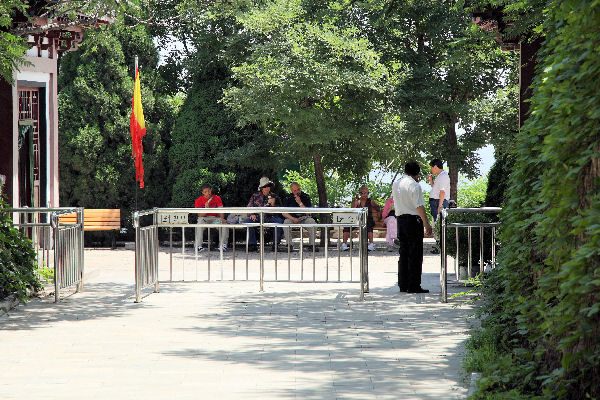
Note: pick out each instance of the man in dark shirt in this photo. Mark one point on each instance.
(297, 198)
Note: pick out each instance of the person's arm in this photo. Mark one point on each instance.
(286, 203)
(387, 208)
(441, 202)
(421, 212)
(197, 205)
(304, 203)
(251, 204)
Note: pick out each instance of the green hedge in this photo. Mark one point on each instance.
(17, 261)
(542, 320)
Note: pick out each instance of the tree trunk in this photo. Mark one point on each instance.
(452, 154)
(322, 191)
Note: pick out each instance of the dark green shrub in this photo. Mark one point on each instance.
(544, 295)
(17, 261)
(498, 179)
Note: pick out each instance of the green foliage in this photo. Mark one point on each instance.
(338, 189)
(12, 47)
(499, 179)
(544, 293)
(207, 146)
(446, 72)
(46, 274)
(17, 261)
(313, 81)
(96, 87)
(472, 193)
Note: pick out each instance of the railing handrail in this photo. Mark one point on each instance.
(147, 246)
(252, 210)
(471, 224)
(59, 210)
(444, 224)
(467, 210)
(67, 242)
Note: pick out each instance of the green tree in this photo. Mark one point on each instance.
(19, 19)
(96, 87)
(208, 147)
(12, 47)
(442, 63)
(314, 83)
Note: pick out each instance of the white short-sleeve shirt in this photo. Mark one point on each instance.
(441, 182)
(407, 195)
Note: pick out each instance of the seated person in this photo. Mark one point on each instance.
(209, 200)
(374, 211)
(264, 198)
(297, 198)
(389, 220)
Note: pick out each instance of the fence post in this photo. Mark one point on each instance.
(138, 283)
(444, 271)
(155, 250)
(362, 253)
(262, 250)
(57, 251)
(80, 215)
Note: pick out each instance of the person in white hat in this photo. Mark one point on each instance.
(264, 198)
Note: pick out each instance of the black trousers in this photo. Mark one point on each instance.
(410, 262)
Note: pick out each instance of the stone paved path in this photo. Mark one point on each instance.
(225, 340)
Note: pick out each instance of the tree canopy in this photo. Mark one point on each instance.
(95, 89)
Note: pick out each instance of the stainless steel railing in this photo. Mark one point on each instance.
(58, 245)
(445, 225)
(147, 248)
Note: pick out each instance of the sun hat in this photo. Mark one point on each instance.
(264, 181)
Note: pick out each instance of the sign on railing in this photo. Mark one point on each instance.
(172, 218)
(339, 218)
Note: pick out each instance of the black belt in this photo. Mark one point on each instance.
(409, 216)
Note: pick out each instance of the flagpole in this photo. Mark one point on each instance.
(136, 184)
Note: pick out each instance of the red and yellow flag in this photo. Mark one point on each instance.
(137, 125)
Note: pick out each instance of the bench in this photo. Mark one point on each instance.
(97, 219)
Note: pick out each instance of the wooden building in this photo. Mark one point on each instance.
(29, 115)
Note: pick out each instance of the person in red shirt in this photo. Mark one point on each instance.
(209, 200)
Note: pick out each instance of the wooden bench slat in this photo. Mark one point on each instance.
(96, 219)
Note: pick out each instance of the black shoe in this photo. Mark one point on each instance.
(252, 247)
(396, 242)
(308, 247)
(418, 290)
(435, 250)
(280, 248)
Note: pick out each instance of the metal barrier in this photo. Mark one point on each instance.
(64, 240)
(147, 245)
(444, 225)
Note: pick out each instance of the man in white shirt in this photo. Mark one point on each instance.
(440, 187)
(410, 215)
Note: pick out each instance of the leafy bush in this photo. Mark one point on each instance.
(543, 296)
(17, 261)
(498, 179)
